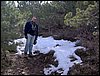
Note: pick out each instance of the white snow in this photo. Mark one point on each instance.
(95, 27)
(63, 50)
(10, 43)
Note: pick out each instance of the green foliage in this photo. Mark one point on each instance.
(85, 2)
(80, 17)
(68, 16)
(11, 22)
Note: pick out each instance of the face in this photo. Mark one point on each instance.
(34, 19)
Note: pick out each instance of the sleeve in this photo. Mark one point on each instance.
(25, 29)
(36, 33)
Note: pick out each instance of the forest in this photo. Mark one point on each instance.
(67, 20)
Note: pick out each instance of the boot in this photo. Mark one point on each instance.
(30, 54)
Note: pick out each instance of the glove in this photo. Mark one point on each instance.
(26, 37)
(35, 42)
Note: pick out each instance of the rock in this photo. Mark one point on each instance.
(23, 73)
(58, 45)
(57, 37)
(55, 63)
(81, 53)
(78, 43)
(36, 52)
(51, 52)
(72, 58)
(10, 70)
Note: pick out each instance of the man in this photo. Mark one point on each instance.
(31, 34)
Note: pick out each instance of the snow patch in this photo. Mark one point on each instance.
(63, 49)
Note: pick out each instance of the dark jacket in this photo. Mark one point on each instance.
(28, 29)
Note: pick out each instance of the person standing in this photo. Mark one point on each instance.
(31, 35)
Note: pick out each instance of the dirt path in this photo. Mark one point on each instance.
(24, 65)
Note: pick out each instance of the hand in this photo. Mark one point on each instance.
(35, 42)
